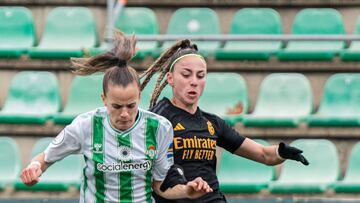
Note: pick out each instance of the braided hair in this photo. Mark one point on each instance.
(164, 64)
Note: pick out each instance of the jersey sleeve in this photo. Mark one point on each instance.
(164, 159)
(229, 139)
(67, 142)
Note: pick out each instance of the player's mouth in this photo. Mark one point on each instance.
(192, 94)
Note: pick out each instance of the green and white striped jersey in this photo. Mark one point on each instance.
(120, 166)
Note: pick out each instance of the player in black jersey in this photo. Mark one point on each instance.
(197, 133)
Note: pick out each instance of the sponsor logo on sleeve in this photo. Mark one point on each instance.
(59, 138)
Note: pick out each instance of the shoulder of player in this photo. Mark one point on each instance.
(88, 116)
(162, 108)
(213, 118)
(163, 122)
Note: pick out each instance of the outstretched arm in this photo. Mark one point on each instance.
(269, 155)
(31, 174)
(192, 189)
(176, 186)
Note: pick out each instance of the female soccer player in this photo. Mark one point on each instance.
(125, 148)
(197, 133)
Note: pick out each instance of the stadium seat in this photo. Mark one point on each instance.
(322, 171)
(194, 21)
(351, 181)
(129, 23)
(11, 162)
(147, 92)
(320, 21)
(33, 98)
(252, 21)
(17, 31)
(240, 175)
(340, 104)
(353, 52)
(285, 100)
(68, 30)
(85, 95)
(225, 95)
(60, 176)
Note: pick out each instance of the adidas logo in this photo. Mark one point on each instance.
(179, 127)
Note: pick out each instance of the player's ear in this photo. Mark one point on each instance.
(103, 97)
(170, 78)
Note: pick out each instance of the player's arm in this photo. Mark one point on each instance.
(192, 189)
(269, 155)
(232, 141)
(31, 174)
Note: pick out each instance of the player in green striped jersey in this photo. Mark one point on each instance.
(125, 148)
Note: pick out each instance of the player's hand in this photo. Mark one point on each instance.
(31, 174)
(288, 152)
(197, 188)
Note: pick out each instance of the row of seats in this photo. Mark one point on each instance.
(284, 100)
(59, 177)
(240, 175)
(71, 32)
(236, 174)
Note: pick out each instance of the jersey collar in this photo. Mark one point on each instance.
(138, 118)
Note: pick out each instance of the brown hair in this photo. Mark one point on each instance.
(163, 64)
(114, 63)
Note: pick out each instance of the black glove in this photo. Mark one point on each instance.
(288, 152)
(174, 176)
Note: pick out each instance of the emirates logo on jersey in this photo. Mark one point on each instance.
(124, 153)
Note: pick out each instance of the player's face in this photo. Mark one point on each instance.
(188, 80)
(122, 105)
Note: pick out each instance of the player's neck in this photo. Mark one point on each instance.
(189, 108)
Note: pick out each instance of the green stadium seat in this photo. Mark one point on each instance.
(11, 162)
(252, 21)
(322, 171)
(85, 95)
(225, 95)
(353, 52)
(239, 175)
(351, 181)
(33, 98)
(194, 21)
(17, 31)
(340, 104)
(68, 30)
(147, 92)
(60, 176)
(320, 21)
(129, 23)
(285, 100)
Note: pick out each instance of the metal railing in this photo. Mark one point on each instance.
(253, 37)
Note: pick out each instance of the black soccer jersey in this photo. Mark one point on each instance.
(194, 146)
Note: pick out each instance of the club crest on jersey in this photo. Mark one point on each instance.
(210, 128)
(151, 152)
(124, 153)
(98, 148)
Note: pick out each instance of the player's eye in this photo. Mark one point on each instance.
(115, 106)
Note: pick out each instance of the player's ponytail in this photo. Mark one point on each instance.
(114, 63)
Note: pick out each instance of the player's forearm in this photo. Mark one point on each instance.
(264, 154)
(179, 191)
(40, 158)
(272, 156)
